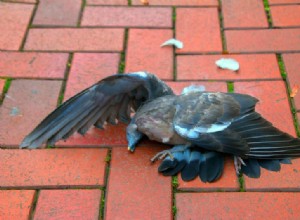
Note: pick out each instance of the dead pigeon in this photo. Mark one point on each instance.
(203, 127)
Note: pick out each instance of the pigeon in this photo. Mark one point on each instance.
(200, 127)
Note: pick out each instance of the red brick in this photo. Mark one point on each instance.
(2, 83)
(15, 204)
(33, 65)
(273, 102)
(52, 168)
(145, 54)
(14, 21)
(271, 40)
(68, 204)
(83, 39)
(286, 180)
(105, 2)
(25, 105)
(275, 2)
(227, 182)
(209, 86)
(89, 68)
(292, 66)
(22, 1)
(135, 188)
(179, 2)
(244, 14)
(127, 17)
(198, 29)
(203, 67)
(57, 12)
(242, 205)
(286, 16)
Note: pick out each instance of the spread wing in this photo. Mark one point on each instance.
(204, 119)
(110, 99)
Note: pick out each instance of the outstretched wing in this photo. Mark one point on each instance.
(203, 118)
(110, 99)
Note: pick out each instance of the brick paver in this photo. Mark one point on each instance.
(292, 66)
(273, 102)
(238, 205)
(15, 204)
(89, 68)
(244, 14)
(50, 50)
(127, 17)
(274, 2)
(52, 168)
(271, 40)
(179, 2)
(287, 179)
(198, 29)
(33, 65)
(252, 67)
(57, 12)
(286, 16)
(68, 204)
(135, 189)
(25, 105)
(69, 39)
(14, 21)
(145, 54)
(105, 2)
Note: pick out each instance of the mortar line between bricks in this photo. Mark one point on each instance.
(98, 27)
(152, 6)
(221, 23)
(54, 187)
(288, 87)
(174, 50)
(103, 203)
(18, 2)
(122, 63)
(64, 82)
(268, 13)
(33, 204)
(21, 48)
(83, 4)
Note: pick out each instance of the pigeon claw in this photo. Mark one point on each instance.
(238, 162)
(161, 155)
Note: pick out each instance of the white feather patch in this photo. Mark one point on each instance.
(173, 42)
(228, 63)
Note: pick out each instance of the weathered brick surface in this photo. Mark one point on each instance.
(238, 205)
(244, 14)
(89, 68)
(15, 204)
(33, 65)
(179, 2)
(57, 12)
(209, 86)
(52, 168)
(82, 39)
(286, 16)
(22, 1)
(198, 29)
(274, 2)
(14, 21)
(25, 105)
(286, 180)
(292, 66)
(203, 67)
(145, 54)
(127, 17)
(271, 40)
(227, 182)
(273, 102)
(68, 204)
(105, 2)
(135, 189)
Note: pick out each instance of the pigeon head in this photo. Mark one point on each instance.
(133, 136)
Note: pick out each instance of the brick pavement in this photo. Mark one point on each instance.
(50, 50)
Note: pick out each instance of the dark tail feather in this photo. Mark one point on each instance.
(192, 162)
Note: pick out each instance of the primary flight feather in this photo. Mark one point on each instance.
(203, 127)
